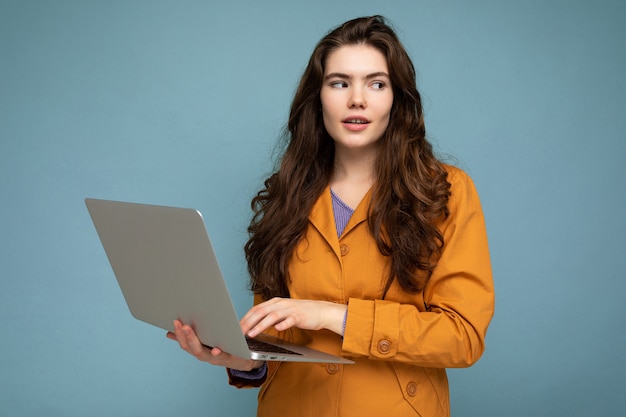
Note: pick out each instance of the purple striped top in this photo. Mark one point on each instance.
(342, 213)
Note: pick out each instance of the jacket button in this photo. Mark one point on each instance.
(411, 389)
(384, 346)
(332, 368)
(345, 249)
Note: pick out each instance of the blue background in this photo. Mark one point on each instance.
(180, 103)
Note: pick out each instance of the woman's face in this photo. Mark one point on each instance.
(356, 97)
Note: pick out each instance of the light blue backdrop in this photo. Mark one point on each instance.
(180, 103)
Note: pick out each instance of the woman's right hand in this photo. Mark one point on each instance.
(189, 342)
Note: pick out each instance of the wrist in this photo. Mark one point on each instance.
(256, 365)
(253, 374)
(337, 318)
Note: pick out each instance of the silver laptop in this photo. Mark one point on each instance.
(166, 268)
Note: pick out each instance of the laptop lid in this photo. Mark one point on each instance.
(166, 268)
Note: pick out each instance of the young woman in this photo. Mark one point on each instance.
(363, 244)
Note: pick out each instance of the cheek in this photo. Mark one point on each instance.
(329, 113)
(332, 103)
(387, 112)
(384, 112)
(326, 117)
(329, 125)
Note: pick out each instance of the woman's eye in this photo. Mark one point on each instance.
(338, 84)
(378, 85)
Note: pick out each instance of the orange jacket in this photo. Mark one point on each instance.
(401, 344)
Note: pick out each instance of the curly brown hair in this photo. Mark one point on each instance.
(410, 193)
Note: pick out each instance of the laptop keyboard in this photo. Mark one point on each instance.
(259, 346)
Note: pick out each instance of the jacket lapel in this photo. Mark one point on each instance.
(360, 213)
(323, 219)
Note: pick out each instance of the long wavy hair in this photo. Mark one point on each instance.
(410, 192)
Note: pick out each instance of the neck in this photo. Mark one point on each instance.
(353, 175)
(354, 167)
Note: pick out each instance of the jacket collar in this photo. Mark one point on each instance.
(323, 218)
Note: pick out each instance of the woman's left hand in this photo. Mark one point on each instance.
(283, 313)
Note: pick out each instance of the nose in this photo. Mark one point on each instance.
(357, 99)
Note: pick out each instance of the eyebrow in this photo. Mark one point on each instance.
(349, 77)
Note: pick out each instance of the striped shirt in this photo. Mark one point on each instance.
(342, 213)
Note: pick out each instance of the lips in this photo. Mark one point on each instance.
(355, 123)
(357, 120)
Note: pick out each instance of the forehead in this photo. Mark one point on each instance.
(356, 60)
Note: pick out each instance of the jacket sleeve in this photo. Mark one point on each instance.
(445, 326)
